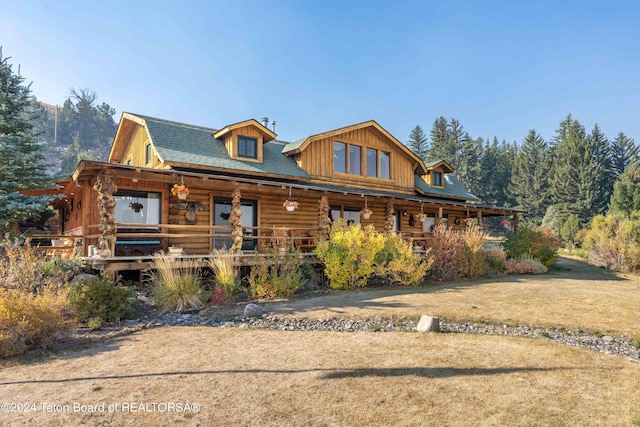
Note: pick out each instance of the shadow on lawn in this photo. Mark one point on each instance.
(329, 373)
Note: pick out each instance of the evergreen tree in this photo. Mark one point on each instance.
(21, 160)
(602, 174)
(494, 174)
(418, 142)
(529, 181)
(626, 192)
(84, 127)
(578, 172)
(624, 152)
(439, 136)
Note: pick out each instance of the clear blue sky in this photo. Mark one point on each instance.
(500, 67)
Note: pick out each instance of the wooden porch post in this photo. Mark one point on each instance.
(234, 219)
(516, 219)
(104, 184)
(439, 217)
(388, 217)
(480, 219)
(324, 223)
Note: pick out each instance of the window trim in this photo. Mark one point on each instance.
(433, 175)
(147, 153)
(246, 139)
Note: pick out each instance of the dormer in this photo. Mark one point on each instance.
(244, 140)
(435, 173)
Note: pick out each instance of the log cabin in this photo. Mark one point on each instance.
(175, 185)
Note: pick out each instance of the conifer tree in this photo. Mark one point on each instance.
(439, 137)
(418, 142)
(624, 152)
(626, 192)
(21, 162)
(530, 178)
(494, 174)
(578, 172)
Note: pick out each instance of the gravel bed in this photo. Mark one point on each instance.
(619, 346)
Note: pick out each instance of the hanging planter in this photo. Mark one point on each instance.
(137, 207)
(180, 190)
(422, 216)
(290, 205)
(366, 212)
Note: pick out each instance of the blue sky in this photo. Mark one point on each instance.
(500, 67)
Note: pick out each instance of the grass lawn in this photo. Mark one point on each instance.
(261, 377)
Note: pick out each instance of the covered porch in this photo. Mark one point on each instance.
(113, 214)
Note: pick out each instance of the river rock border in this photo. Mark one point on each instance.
(618, 346)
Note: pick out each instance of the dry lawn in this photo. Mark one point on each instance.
(273, 378)
(575, 295)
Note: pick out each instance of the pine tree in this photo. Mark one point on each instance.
(418, 142)
(439, 141)
(494, 174)
(624, 152)
(21, 161)
(529, 181)
(578, 172)
(626, 192)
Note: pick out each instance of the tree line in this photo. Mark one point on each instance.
(562, 183)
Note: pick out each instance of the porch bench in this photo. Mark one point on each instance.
(126, 247)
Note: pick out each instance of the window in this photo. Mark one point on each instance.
(355, 165)
(385, 165)
(127, 208)
(350, 215)
(247, 147)
(372, 162)
(147, 154)
(339, 157)
(221, 213)
(436, 179)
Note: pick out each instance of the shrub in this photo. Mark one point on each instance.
(397, 264)
(100, 297)
(525, 266)
(448, 252)
(497, 259)
(25, 268)
(176, 284)
(30, 320)
(222, 262)
(536, 243)
(349, 254)
(614, 241)
(475, 262)
(218, 297)
(278, 274)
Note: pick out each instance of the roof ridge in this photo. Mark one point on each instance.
(172, 122)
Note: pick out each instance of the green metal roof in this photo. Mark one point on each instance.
(195, 145)
(452, 188)
(190, 144)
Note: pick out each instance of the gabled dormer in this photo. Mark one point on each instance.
(435, 173)
(363, 155)
(244, 140)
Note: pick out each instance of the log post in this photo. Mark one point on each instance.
(388, 217)
(324, 222)
(104, 184)
(234, 219)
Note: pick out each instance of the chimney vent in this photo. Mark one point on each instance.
(265, 122)
(273, 126)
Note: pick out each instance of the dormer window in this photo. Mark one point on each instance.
(436, 179)
(247, 147)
